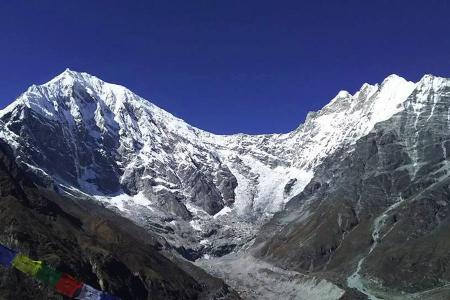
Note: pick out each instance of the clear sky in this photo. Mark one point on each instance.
(226, 66)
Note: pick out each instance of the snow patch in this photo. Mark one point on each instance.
(125, 202)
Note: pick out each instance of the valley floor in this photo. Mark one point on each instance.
(254, 279)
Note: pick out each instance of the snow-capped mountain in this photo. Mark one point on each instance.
(376, 219)
(102, 141)
(365, 176)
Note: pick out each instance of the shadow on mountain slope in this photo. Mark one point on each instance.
(88, 241)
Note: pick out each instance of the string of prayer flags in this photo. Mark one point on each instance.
(26, 265)
(63, 283)
(6, 256)
(68, 285)
(48, 275)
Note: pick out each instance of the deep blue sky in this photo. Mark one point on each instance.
(223, 65)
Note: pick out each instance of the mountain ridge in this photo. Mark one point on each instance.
(142, 161)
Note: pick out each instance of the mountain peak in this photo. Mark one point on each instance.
(68, 77)
(70, 81)
(66, 73)
(393, 77)
(343, 94)
(69, 71)
(429, 79)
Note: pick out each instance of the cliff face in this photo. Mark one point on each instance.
(88, 241)
(376, 216)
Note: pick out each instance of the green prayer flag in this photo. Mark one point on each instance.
(26, 265)
(48, 275)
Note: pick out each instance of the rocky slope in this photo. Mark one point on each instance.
(90, 242)
(207, 194)
(375, 217)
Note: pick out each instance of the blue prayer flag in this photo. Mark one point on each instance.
(106, 296)
(6, 256)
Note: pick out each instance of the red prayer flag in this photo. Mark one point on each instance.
(68, 286)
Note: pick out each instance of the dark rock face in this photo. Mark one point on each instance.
(383, 203)
(203, 191)
(106, 142)
(69, 148)
(288, 187)
(89, 242)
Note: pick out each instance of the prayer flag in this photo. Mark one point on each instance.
(62, 282)
(6, 256)
(106, 296)
(68, 286)
(48, 275)
(89, 293)
(26, 265)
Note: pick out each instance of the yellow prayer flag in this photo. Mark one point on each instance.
(27, 265)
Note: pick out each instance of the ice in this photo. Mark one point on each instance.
(196, 225)
(224, 211)
(123, 202)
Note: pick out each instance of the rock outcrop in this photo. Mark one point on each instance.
(84, 239)
(375, 217)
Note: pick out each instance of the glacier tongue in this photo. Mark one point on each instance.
(101, 140)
